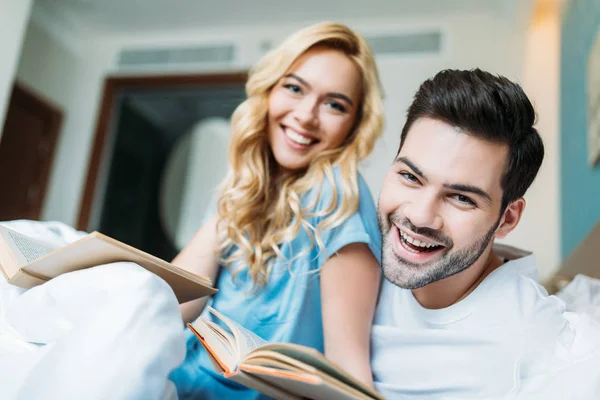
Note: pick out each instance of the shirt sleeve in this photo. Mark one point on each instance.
(360, 227)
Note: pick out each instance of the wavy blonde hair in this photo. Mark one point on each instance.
(260, 209)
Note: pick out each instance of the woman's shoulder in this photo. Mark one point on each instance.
(337, 188)
(340, 180)
(358, 226)
(364, 191)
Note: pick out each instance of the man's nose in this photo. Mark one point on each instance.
(424, 213)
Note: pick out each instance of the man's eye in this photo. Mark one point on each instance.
(293, 88)
(409, 177)
(464, 199)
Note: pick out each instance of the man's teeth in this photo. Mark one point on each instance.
(415, 242)
(297, 137)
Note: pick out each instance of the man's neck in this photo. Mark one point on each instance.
(451, 290)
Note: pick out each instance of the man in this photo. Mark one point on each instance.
(456, 317)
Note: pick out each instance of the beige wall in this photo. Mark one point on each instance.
(540, 227)
(13, 20)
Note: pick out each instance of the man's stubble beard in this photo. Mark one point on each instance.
(409, 275)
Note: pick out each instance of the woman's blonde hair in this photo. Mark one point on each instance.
(260, 209)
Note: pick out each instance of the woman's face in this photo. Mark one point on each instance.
(313, 107)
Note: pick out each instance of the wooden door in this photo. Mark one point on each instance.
(27, 149)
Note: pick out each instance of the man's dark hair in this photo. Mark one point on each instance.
(489, 107)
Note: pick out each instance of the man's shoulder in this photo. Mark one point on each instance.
(519, 271)
(515, 292)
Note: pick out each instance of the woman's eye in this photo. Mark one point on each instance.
(336, 106)
(293, 88)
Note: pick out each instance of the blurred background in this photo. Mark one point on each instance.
(115, 112)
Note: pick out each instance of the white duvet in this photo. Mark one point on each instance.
(582, 295)
(109, 332)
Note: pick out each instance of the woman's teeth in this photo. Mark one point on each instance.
(297, 138)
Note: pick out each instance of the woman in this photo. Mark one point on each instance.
(295, 226)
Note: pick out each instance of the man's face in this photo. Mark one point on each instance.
(440, 204)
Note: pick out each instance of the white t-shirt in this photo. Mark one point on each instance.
(506, 333)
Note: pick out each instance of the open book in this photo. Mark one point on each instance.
(28, 262)
(279, 370)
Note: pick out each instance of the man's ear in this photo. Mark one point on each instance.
(510, 219)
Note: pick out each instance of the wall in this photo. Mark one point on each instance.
(13, 20)
(580, 183)
(538, 229)
(68, 77)
(208, 147)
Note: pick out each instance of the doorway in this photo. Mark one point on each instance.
(144, 155)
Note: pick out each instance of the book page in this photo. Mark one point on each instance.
(307, 376)
(263, 387)
(280, 365)
(220, 343)
(25, 248)
(315, 359)
(306, 386)
(246, 341)
(30, 248)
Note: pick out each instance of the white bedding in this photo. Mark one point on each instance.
(578, 377)
(582, 295)
(110, 332)
(115, 332)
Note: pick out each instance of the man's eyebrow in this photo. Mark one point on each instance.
(469, 189)
(334, 95)
(454, 186)
(412, 166)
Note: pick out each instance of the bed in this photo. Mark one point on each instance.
(577, 282)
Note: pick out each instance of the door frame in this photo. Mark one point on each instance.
(55, 120)
(113, 85)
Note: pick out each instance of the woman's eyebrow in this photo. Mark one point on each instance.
(334, 95)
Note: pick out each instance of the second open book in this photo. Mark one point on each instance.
(279, 370)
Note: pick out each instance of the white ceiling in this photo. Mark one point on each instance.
(126, 16)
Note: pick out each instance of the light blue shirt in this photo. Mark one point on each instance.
(288, 307)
